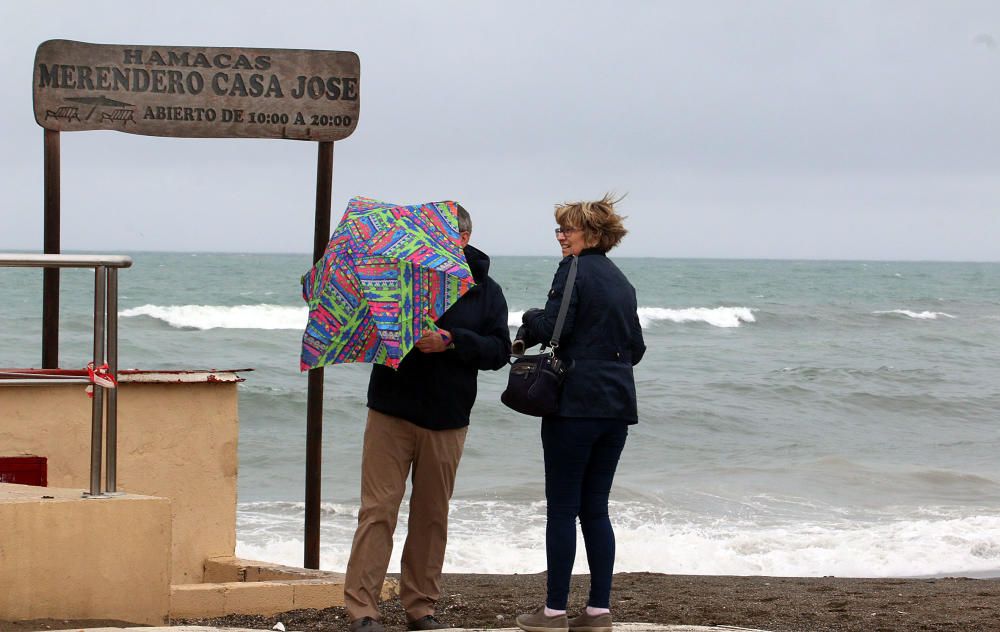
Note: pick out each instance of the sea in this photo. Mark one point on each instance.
(797, 418)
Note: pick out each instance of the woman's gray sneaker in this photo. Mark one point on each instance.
(538, 622)
(591, 623)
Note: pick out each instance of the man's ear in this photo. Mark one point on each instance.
(463, 239)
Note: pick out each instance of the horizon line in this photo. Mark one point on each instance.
(676, 258)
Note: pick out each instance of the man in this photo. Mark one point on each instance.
(418, 417)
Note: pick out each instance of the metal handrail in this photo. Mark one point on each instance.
(24, 260)
(105, 350)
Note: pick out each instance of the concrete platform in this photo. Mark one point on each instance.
(65, 556)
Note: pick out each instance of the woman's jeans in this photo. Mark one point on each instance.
(581, 455)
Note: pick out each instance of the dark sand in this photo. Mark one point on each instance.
(769, 603)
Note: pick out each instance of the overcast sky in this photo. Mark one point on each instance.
(782, 129)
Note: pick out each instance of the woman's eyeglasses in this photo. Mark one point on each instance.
(565, 231)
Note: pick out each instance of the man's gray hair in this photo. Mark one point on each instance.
(464, 220)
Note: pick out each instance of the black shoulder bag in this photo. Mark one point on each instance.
(535, 381)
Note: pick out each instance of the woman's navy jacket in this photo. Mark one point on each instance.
(601, 335)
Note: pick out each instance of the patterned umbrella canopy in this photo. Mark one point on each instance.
(388, 273)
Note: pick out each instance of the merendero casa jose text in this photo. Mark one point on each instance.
(181, 74)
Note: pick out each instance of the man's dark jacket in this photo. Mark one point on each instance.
(601, 336)
(437, 390)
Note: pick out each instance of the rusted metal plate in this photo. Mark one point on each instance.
(197, 92)
(24, 470)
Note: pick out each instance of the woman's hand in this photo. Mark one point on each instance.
(523, 339)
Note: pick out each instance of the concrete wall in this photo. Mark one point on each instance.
(177, 438)
(66, 557)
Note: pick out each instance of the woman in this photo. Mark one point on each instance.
(602, 339)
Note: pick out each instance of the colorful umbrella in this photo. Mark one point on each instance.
(388, 273)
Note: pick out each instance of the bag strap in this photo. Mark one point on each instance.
(564, 306)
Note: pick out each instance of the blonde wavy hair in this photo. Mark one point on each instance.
(602, 227)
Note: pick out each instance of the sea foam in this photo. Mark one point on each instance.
(917, 315)
(224, 317)
(499, 537)
(284, 317)
(715, 316)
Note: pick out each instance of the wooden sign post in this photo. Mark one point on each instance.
(198, 92)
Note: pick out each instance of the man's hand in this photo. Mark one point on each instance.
(531, 313)
(434, 341)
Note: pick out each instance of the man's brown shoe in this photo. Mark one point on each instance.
(590, 623)
(538, 622)
(365, 624)
(427, 623)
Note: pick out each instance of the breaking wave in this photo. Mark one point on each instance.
(222, 317)
(498, 537)
(204, 317)
(715, 316)
(916, 315)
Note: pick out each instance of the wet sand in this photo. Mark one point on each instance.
(769, 603)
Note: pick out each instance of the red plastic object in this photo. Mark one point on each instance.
(24, 470)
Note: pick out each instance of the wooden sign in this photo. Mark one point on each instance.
(197, 92)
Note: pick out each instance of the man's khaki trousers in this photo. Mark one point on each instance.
(391, 446)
